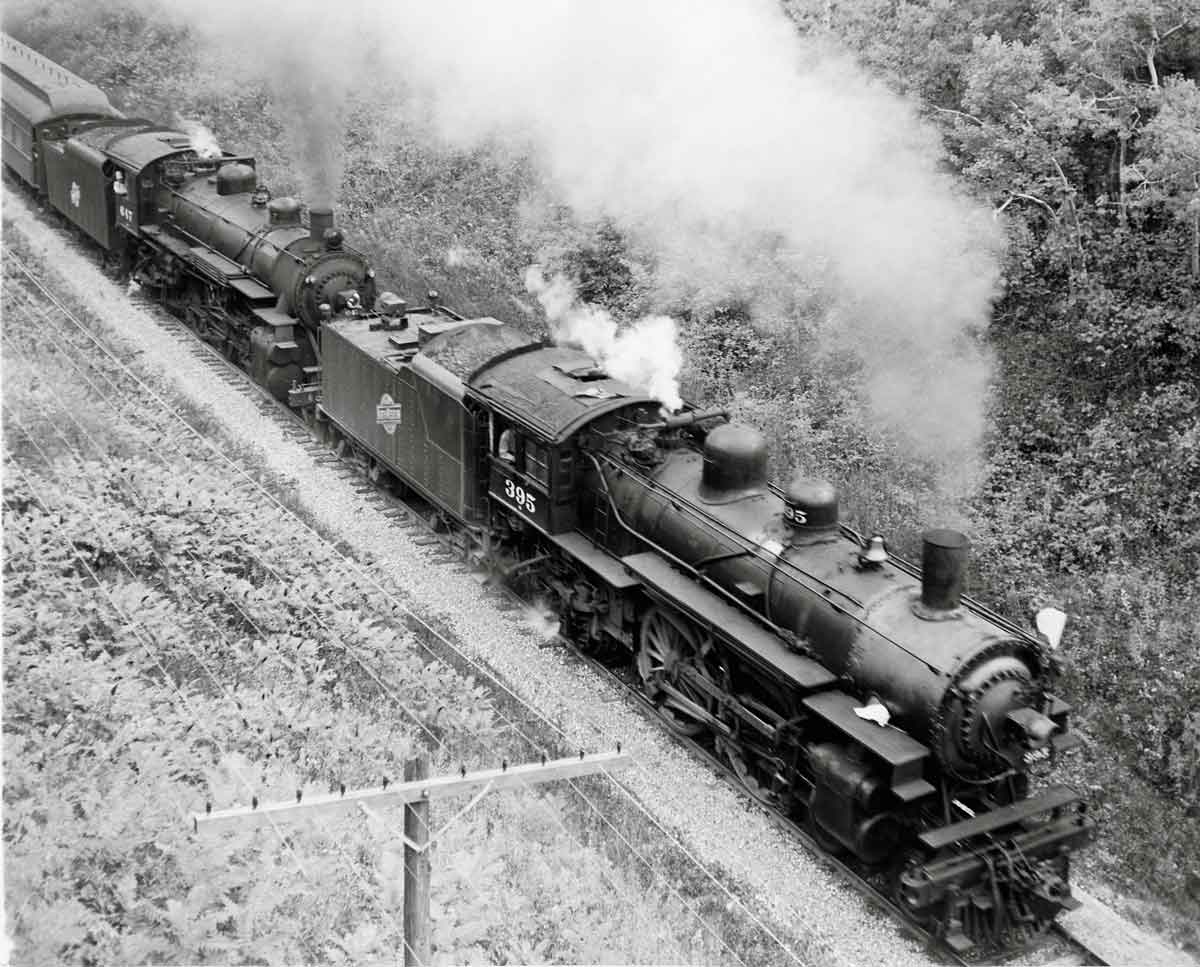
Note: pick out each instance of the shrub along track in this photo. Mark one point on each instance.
(415, 519)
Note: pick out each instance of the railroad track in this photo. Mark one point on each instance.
(418, 522)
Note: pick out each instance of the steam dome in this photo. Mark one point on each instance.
(233, 179)
(735, 463)
(812, 504)
(283, 212)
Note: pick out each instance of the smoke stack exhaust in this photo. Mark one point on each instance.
(320, 217)
(943, 574)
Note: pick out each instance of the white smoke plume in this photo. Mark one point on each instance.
(750, 163)
(645, 354)
(204, 142)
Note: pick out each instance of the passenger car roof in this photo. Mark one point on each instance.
(40, 90)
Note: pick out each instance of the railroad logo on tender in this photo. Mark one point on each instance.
(76, 194)
(389, 414)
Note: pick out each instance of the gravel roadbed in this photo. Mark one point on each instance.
(831, 923)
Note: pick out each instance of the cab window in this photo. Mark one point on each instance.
(537, 462)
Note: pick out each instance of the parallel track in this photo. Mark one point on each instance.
(412, 518)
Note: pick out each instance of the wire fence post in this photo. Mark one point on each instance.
(416, 871)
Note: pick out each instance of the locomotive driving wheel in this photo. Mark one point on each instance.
(759, 766)
(679, 672)
(761, 777)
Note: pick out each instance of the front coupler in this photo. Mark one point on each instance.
(998, 873)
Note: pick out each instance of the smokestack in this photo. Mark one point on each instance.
(320, 217)
(943, 574)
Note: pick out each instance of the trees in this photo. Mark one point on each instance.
(1079, 121)
(1169, 171)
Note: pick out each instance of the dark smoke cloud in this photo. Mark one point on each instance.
(309, 57)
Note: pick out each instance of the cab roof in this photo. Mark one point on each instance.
(143, 147)
(553, 390)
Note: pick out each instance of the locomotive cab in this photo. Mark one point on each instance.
(539, 399)
(532, 476)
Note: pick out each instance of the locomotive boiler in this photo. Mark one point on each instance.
(971, 689)
(901, 718)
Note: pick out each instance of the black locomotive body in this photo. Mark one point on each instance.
(900, 719)
(194, 228)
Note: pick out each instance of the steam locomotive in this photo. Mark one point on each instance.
(900, 719)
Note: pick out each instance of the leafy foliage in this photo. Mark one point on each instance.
(163, 648)
(1078, 123)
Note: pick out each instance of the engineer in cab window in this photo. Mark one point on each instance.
(506, 451)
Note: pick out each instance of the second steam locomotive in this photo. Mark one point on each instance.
(901, 720)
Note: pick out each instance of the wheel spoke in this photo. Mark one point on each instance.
(756, 766)
(669, 645)
(755, 775)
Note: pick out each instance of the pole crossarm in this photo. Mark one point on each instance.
(421, 790)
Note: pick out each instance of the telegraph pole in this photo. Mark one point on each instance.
(415, 793)
(416, 870)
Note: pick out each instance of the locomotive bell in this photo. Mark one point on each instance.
(874, 554)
